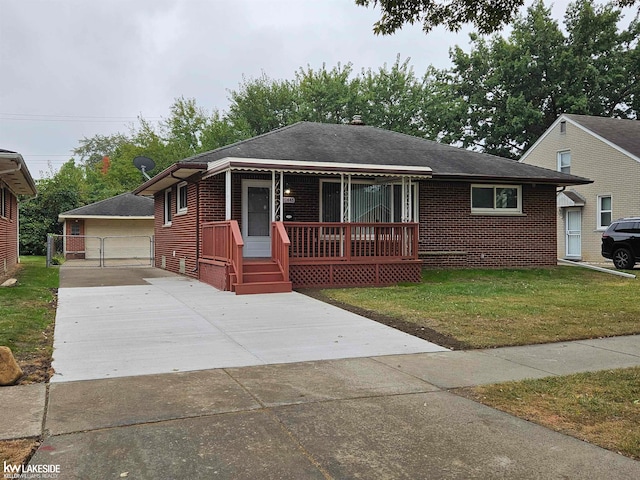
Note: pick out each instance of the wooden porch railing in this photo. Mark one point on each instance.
(223, 242)
(352, 241)
(280, 248)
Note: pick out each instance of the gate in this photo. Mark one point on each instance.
(110, 251)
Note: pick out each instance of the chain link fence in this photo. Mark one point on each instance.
(89, 251)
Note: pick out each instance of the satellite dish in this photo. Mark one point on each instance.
(143, 164)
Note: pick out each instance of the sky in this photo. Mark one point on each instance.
(71, 69)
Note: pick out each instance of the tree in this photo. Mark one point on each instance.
(506, 92)
(328, 96)
(62, 191)
(486, 16)
(261, 105)
(395, 99)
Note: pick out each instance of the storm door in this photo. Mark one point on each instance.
(256, 218)
(573, 239)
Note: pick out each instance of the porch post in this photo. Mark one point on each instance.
(345, 199)
(227, 195)
(407, 199)
(276, 196)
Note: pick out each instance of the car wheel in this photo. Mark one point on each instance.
(622, 259)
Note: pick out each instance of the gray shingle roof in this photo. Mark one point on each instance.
(623, 133)
(123, 205)
(322, 142)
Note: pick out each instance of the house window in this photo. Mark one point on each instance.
(564, 162)
(3, 202)
(500, 199)
(181, 199)
(563, 126)
(167, 207)
(369, 202)
(604, 211)
(75, 229)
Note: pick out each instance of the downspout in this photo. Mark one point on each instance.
(197, 184)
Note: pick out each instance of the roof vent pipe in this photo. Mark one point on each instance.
(357, 120)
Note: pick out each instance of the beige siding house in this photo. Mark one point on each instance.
(606, 150)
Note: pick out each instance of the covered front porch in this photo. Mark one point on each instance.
(324, 225)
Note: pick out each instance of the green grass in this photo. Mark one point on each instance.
(27, 310)
(491, 308)
(602, 408)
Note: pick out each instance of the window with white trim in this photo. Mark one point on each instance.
(496, 199)
(167, 207)
(181, 198)
(564, 162)
(370, 202)
(3, 202)
(604, 211)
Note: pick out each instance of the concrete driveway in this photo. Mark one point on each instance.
(138, 321)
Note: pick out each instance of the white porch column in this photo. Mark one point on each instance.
(227, 195)
(276, 195)
(407, 199)
(345, 198)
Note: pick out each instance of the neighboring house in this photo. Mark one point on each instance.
(15, 180)
(607, 150)
(119, 227)
(331, 205)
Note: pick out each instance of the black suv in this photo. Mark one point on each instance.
(621, 242)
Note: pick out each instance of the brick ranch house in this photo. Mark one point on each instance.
(15, 180)
(318, 205)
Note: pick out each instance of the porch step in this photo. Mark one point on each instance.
(262, 287)
(261, 276)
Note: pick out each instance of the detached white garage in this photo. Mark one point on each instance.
(116, 229)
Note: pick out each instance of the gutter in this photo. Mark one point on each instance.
(19, 161)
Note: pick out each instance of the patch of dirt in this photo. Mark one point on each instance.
(17, 452)
(419, 331)
(36, 367)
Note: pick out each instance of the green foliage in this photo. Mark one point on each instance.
(486, 17)
(58, 193)
(514, 88)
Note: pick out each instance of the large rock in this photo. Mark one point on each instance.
(10, 371)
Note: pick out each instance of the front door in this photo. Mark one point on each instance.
(256, 218)
(573, 241)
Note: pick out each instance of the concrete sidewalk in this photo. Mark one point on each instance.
(379, 417)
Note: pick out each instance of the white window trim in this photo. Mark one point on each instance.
(181, 209)
(559, 160)
(414, 185)
(166, 212)
(495, 210)
(600, 227)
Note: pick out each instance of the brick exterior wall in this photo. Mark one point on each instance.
(450, 236)
(74, 246)
(9, 233)
(177, 242)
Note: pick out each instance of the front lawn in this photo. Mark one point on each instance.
(27, 314)
(602, 407)
(495, 308)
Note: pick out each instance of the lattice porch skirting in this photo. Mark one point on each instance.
(354, 274)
